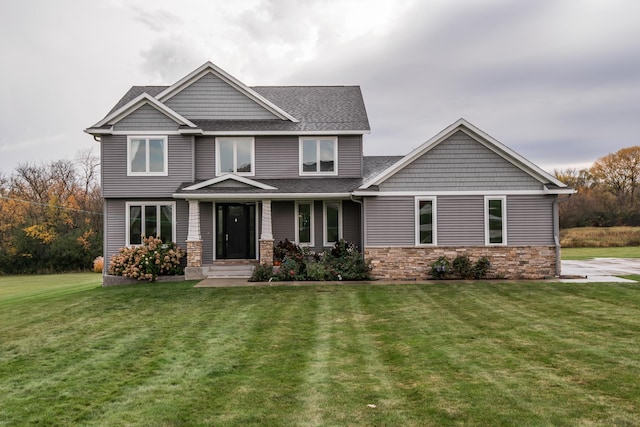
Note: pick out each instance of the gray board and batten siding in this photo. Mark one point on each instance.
(116, 183)
(460, 163)
(211, 98)
(146, 119)
(390, 221)
(115, 231)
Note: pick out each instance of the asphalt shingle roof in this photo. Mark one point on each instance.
(318, 108)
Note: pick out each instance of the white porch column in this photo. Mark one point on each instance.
(194, 221)
(266, 237)
(194, 243)
(267, 233)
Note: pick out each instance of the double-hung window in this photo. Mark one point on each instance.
(235, 155)
(495, 218)
(426, 213)
(147, 219)
(318, 155)
(332, 219)
(147, 155)
(304, 223)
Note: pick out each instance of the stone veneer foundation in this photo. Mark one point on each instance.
(266, 251)
(507, 262)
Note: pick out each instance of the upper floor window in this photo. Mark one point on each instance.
(319, 156)
(147, 155)
(425, 221)
(495, 217)
(235, 155)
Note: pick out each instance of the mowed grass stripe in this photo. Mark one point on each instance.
(444, 354)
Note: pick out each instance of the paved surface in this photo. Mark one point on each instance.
(603, 270)
(600, 270)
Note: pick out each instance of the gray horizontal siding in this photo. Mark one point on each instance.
(389, 221)
(115, 227)
(350, 156)
(146, 118)
(460, 163)
(116, 183)
(460, 220)
(276, 157)
(530, 220)
(205, 157)
(282, 221)
(352, 225)
(211, 98)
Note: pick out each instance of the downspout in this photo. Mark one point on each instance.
(556, 236)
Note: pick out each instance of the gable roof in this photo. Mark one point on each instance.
(482, 138)
(230, 177)
(137, 102)
(218, 72)
(314, 109)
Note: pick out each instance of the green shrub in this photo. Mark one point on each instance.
(148, 261)
(316, 271)
(262, 273)
(291, 269)
(440, 268)
(480, 268)
(462, 267)
(344, 262)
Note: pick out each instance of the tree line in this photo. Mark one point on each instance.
(607, 192)
(51, 216)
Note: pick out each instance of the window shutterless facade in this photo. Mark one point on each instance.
(156, 219)
(235, 155)
(495, 219)
(318, 156)
(304, 224)
(147, 155)
(426, 214)
(332, 222)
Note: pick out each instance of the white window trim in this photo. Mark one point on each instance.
(235, 156)
(434, 220)
(143, 204)
(301, 157)
(324, 222)
(486, 220)
(297, 223)
(147, 138)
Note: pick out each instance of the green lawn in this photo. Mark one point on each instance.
(613, 252)
(425, 355)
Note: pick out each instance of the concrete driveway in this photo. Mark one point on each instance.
(600, 270)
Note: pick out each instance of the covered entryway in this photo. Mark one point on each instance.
(235, 230)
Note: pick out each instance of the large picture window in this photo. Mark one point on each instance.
(495, 215)
(426, 221)
(155, 219)
(319, 156)
(332, 228)
(147, 155)
(235, 155)
(304, 223)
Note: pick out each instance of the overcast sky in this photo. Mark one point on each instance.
(558, 81)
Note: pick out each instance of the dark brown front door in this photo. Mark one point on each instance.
(235, 236)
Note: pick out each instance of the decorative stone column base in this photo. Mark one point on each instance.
(266, 251)
(194, 253)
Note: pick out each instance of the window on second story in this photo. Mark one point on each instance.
(147, 155)
(235, 155)
(319, 156)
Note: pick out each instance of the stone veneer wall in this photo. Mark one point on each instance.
(266, 251)
(507, 262)
(194, 253)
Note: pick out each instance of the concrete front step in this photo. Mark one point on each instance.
(231, 269)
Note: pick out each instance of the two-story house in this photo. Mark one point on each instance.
(225, 170)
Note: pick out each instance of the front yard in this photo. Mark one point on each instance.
(444, 354)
